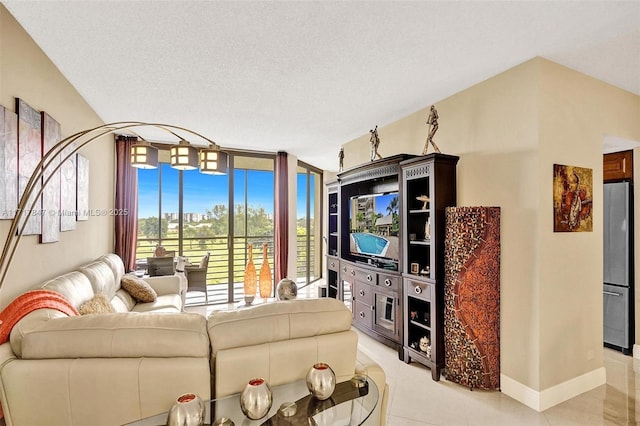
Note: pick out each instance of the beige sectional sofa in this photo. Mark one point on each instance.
(118, 367)
(281, 341)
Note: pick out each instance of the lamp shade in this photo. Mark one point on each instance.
(183, 156)
(144, 156)
(213, 161)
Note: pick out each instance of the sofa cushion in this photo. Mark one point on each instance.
(31, 321)
(138, 289)
(74, 286)
(122, 301)
(283, 320)
(98, 304)
(101, 278)
(115, 263)
(127, 335)
(163, 303)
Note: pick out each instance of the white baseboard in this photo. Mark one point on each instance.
(636, 351)
(554, 395)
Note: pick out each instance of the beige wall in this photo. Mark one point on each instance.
(576, 112)
(25, 72)
(509, 131)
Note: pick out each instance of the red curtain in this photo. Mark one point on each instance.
(281, 245)
(126, 225)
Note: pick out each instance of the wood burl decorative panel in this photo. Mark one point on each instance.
(472, 296)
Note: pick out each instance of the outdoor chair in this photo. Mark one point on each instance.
(197, 276)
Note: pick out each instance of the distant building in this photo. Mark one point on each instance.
(384, 225)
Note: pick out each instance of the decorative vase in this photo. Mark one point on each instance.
(321, 381)
(250, 278)
(256, 399)
(188, 410)
(286, 289)
(265, 275)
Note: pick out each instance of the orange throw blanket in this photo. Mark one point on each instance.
(29, 302)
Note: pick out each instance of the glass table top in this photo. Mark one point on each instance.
(349, 405)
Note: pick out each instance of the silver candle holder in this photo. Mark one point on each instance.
(256, 399)
(321, 381)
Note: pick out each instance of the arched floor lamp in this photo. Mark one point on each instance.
(212, 161)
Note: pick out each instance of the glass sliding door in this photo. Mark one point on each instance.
(253, 220)
(170, 208)
(308, 224)
(205, 228)
(157, 210)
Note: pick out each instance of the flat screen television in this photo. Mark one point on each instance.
(374, 229)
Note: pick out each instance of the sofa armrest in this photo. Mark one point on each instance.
(120, 335)
(166, 284)
(6, 354)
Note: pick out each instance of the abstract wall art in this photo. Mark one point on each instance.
(68, 191)
(82, 176)
(29, 155)
(51, 192)
(8, 163)
(572, 199)
(472, 296)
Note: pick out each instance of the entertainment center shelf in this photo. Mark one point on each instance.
(385, 248)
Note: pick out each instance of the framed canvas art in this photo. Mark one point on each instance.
(82, 176)
(8, 163)
(29, 155)
(51, 191)
(68, 190)
(572, 199)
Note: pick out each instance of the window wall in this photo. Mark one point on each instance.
(189, 212)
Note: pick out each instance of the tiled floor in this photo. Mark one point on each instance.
(416, 400)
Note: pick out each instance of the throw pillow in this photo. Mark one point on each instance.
(138, 289)
(98, 304)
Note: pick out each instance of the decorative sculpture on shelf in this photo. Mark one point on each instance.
(265, 275)
(250, 278)
(432, 121)
(425, 201)
(341, 159)
(427, 229)
(375, 143)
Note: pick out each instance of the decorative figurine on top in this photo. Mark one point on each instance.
(375, 142)
(432, 121)
(341, 159)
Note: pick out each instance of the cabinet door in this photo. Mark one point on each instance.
(617, 166)
(419, 315)
(385, 319)
(363, 293)
(362, 314)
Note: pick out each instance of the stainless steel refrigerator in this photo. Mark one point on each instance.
(618, 266)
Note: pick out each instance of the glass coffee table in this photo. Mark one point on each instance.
(351, 404)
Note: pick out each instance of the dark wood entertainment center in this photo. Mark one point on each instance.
(389, 268)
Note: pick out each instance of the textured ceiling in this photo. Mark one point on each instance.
(307, 77)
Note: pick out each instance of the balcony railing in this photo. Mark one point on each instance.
(218, 276)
